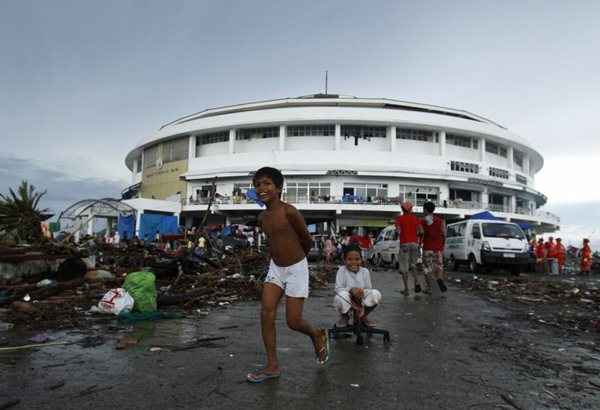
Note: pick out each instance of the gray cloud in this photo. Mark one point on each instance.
(62, 188)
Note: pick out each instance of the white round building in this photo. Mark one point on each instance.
(346, 160)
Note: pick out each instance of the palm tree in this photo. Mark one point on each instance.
(19, 213)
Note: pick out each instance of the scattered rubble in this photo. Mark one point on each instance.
(194, 283)
(563, 303)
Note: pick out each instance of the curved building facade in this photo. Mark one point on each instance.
(349, 161)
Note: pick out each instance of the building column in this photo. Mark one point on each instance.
(511, 158)
(391, 134)
(142, 161)
(232, 141)
(192, 147)
(513, 203)
(482, 149)
(90, 225)
(526, 164)
(138, 222)
(338, 137)
(135, 171)
(282, 136)
(484, 198)
(442, 144)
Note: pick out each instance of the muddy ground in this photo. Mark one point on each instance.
(468, 350)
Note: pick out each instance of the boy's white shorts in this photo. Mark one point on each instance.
(292, 279)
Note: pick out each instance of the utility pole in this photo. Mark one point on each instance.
(326, 72)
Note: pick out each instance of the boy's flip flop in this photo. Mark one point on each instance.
(260, 376)
(323, 353)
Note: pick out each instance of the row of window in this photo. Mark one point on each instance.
(497, 149)
(498, 173)
(175, 150)
(462, 141)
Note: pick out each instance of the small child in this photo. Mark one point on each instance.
(353, 289)
(289, 243)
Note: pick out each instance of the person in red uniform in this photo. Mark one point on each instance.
(550, 253)
(540, 256)
(561, 254)
(409, 231)
(434, 237)
(586, 257)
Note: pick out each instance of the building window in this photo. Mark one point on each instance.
(416, 135)
(518, 158)
(464, 167)
(257, 133)
(175, 150)
(419, 194)
(324, 130)
(521, 179)
(212, 138)
(361, 131)
(307, 191)
(496, 149)
(498, 173)
(364, 192)
(151, 156)
(462, 141)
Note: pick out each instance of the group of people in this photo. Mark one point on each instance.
(289, 245)
(553, 252)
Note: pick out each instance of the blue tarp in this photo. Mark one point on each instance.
(524, 226)
(126, 226)
(485, 215)
(164, 224)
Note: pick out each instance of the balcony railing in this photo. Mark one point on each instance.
(358, 200)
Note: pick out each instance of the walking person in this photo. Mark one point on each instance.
(434, 238)
(586, 258)
(409, 231)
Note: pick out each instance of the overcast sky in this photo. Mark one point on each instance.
(81, 82)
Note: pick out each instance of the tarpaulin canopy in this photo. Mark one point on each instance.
(485, 215)
(152, 223)
(126, 226)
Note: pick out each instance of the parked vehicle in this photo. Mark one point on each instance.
(386, 247)
(486, 243)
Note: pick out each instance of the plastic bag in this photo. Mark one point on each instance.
(116, 301)
(141, 286)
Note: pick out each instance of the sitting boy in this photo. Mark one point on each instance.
(353, 289)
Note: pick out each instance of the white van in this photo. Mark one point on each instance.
(485, 243)
(386, 247)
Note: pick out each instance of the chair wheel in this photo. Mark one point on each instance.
(359, 340)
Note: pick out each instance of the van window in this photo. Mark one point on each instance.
(456, 230)
(476, 231)
(389, 235)
(500, 230)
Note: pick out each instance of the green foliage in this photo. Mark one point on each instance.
(19, 213)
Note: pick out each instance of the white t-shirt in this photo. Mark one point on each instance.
(345, 279)
(202, 242)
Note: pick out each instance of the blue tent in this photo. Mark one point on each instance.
(485, 215)
(126, 226)
(151, 223)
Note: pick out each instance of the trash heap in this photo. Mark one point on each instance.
(70, 296)
(567, 304)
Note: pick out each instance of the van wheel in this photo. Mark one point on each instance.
(474, 267)
(453, 263)
(377, 260)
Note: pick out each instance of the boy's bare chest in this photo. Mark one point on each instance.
(275, 224)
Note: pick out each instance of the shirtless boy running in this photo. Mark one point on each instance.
(289, 243)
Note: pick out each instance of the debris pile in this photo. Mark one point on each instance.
(185, 281)
(562, 303)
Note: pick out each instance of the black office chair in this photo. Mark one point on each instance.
(359, 329)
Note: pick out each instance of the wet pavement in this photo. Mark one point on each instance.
(457, 352)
